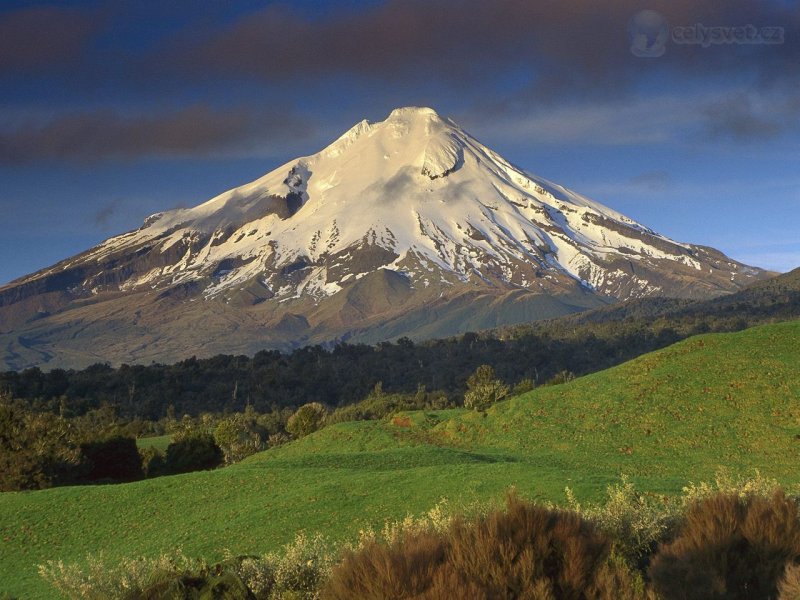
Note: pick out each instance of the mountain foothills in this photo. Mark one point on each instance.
(406, 227)
(432, 372)
(665, 419)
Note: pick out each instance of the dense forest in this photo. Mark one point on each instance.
(345, 373)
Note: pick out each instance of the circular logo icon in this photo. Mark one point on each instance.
(648, 32)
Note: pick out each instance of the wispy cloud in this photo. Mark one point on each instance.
(196, 130)
(567, 45)
(642, 120)
(45, 37)
(652, 181)
(752, 117)
(696, 116)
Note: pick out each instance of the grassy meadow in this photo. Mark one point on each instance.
(159, 442)
(665, 419)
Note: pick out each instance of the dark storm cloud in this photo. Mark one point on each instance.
(566, 44)
(100, 135)
(43, 38)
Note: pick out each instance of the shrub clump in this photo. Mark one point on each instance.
(296, 573)
(194, 451)
(130, 578)
(484, 389)
(526, 551)
(239, 436)
(636, 523)
(730, 547)
(789, 587)
(308, 419)
(114, 458)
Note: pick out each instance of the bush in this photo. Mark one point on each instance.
(295, 574)
(526, 551)
(405, 569)
(152, 461)
(129, 579)
(560, 377)
(742, 486)
(238, 436)
(194, 452)
(308, 419)
(635, 523)
(483, 389)
(729, 547)
(789, 587)
(524, 386)
(302, 568)
(37, 450)
(278, 439)
(378, 404)
(112, 459)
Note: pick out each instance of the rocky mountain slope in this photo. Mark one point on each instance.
(408, 226)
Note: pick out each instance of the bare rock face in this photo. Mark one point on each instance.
(405, 227)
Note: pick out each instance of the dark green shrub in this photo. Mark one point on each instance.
(194, 452)
(526, 551)
(730, 548)
(112, 459)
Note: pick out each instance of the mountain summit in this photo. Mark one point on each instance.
(408, 226)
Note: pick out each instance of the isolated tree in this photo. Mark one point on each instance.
(308, 419)
(484, 389)
(239, 436)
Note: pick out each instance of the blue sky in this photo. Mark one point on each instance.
(110, 111)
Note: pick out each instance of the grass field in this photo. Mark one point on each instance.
(665, 419)
(159, 442)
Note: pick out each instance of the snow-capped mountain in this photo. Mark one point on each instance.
(408, 226)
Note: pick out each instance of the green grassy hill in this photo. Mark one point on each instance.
(667, 418)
